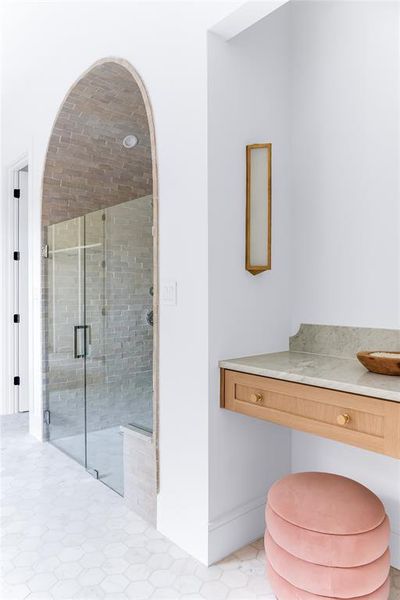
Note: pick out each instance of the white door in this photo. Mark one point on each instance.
(22, 287)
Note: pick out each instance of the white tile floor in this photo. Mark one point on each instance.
(64, 535)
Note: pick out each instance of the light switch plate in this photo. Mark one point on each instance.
(168, 292)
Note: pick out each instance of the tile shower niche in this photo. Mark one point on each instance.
(99, 335)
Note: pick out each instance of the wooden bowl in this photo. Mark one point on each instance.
(381, 361)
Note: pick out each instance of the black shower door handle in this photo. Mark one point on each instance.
(81, 331)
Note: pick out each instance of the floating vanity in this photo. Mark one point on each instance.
(319, 387)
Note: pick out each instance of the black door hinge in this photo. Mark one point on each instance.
(17, 193)
(17, 380)
(17, 318)
(17, 255)
(93, 472)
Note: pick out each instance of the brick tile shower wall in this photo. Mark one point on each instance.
(119, 374)
(88, 169)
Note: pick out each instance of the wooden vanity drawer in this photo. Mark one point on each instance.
(369, 423)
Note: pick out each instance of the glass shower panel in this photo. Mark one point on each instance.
(65, 336)
(129, 325)
(99, 275)
(119, 303)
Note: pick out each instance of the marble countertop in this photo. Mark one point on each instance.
(343, 374)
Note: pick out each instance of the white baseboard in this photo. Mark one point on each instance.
(235, 529)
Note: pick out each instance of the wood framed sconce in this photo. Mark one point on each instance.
(258, 208)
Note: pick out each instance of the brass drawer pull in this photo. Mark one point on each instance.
(343, 419)
(257, 398)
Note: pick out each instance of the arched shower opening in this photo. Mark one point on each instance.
(99, 270)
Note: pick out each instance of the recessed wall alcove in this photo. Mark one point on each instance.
(99, 273)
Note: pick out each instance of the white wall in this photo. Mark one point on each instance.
(345, 227)
(166, 43)
(379, 473)
(345, 101)
(320, 80)
(248, 102)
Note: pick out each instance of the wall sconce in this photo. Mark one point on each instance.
(258, 208)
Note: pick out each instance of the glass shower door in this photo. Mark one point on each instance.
(119, 302)
(65, 337)
(99, 334)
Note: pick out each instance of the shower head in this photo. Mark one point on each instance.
(130, 141)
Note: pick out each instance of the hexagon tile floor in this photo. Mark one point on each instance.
(66, 536)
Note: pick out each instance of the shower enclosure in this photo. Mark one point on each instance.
(99, 335)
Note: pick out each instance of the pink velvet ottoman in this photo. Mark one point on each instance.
(327, 537)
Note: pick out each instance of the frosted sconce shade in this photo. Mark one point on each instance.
(258, 208)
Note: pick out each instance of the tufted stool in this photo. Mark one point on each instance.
(327, 537)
